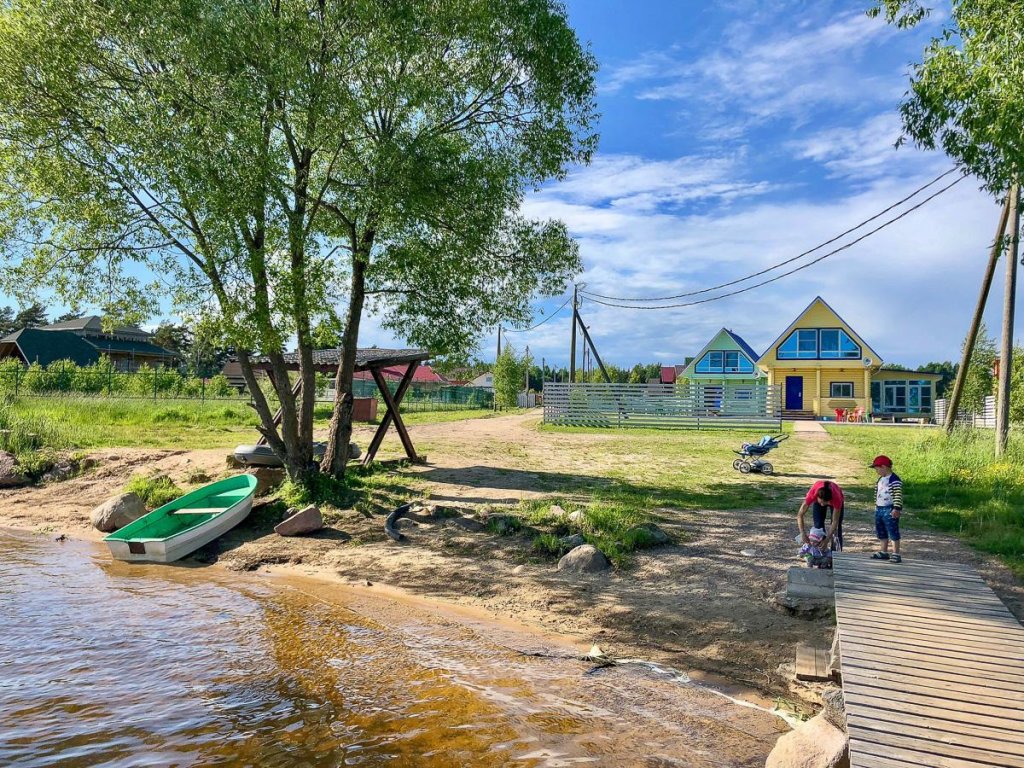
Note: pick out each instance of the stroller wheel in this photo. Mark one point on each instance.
(745, 468)
(767, 468)
(736, 464)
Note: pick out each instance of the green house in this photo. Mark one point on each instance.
(726, 359)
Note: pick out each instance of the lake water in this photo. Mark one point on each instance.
(112, 664)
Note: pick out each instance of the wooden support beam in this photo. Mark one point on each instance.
(392, 404)
(296, 388)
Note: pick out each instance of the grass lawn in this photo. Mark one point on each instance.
(81, 422)
(953, 483)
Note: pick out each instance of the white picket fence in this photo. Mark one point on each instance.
(690, 406)
(987, 417)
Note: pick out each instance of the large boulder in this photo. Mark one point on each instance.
(117, 512)
(834, 707)
(653, 535)
(305, 520)
(267, 479)
(584, 559)
(10, 475)
(815, 744)
(568, 543)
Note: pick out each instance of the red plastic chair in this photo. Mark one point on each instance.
(840, 414)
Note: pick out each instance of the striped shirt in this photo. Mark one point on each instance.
(889, 491)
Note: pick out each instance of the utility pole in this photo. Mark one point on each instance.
(972, 335)
(527, 366)
(499, 345)
(572, 338)
(1009, 305)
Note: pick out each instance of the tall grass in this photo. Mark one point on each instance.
(955, 483)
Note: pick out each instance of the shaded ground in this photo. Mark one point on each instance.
(698, 605)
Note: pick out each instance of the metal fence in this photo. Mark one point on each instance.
(688, 406)
(987, 417)
(426, 397)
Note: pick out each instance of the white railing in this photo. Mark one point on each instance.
(987, 417)
(687, 406)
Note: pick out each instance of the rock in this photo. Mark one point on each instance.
(818, 583)
(654, 534)
(815, 744)
(802, 607)
(117, 512)
(519, 569)
(571, 542)
(834, 708)
(405, 522)
(267, 478)
(307, 520)
(233, 463)
(557, 511)
(468, 524)
(504, 525)
(63, 471)
(87, 463)
(584, 559)
(354, 451)
(10, 475)
(577, 518)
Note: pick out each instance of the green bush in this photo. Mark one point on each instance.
(154, 491)
(547, 544)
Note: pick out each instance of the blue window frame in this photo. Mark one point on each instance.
(723, 361)
(819, 344)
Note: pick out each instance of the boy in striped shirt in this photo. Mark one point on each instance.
(888, 508)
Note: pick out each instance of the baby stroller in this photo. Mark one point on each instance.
(751, 455)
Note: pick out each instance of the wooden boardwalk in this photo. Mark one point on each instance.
(932, 666)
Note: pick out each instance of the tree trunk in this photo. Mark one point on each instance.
(1009, 303)
(340, 433)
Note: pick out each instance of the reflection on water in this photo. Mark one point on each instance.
(124, 665)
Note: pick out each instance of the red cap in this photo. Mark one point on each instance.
(882, 461)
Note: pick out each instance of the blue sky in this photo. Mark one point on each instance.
(738, 134)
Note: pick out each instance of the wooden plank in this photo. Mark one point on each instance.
(929, 666)
(924, 661)
(874, 617)
(924, 634)
(812, 663)
(977, 753)
(952, 686)
(922, 610)
(938, 588)
(900, 599)
(897, 646)
(886, 698)
(997, 739)
(902, 757)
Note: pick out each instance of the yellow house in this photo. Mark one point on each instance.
(820, 364)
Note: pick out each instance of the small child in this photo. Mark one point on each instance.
(888, 508)
(813, 553)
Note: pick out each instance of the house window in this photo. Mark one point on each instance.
(914, 396)
(841, 389)
(801, 344)
(836, 344)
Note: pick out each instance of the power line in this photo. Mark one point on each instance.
(538, 325)
(792, 271)
(818, 247)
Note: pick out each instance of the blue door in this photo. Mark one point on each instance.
(794, 393)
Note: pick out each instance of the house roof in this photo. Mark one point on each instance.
(744, 347)
(747, 349)
(45, 347)
(874, 355)
(93, 325)
(668, 374)
(127, 347)
(423, 374)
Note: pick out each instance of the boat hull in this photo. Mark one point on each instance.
(181, 527)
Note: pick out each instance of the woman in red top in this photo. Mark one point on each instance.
(824, 499)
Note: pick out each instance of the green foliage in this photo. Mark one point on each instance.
(509, 377)
(947, 370)
(547, 544)
(322, 489)
(154, 491)
(967, 95)
(979, 382)
(380, 157)
(1017, 387)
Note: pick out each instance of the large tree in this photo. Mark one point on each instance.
(271, 159)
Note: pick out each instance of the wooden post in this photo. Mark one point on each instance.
(572, 339)
(953, 405)
(390, 414)
(593, 349)
(1009, 306)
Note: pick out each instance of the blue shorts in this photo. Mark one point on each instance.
(886, 526)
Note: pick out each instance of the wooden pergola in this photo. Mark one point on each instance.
(372, 360)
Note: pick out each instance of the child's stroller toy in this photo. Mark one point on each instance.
(751, 455)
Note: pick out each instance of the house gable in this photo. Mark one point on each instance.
(816, 317)
(712, 359)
